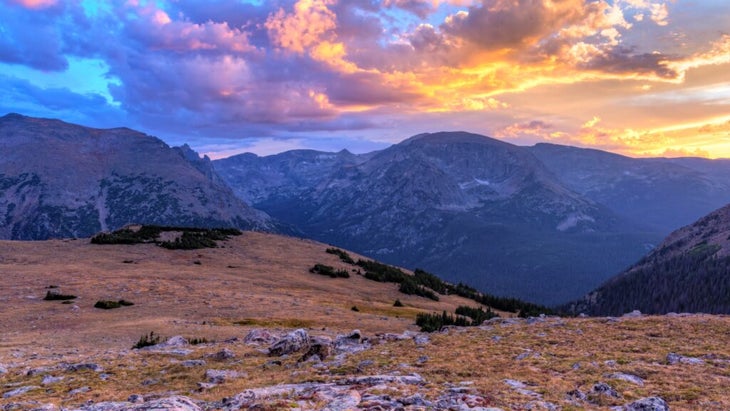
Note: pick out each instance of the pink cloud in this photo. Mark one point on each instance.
(35, 4)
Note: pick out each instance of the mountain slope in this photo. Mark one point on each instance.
(688, 272)
(661, 192)
(63, 180)
(465, 206)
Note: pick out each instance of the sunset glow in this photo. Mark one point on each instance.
(637, 77)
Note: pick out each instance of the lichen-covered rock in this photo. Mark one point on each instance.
(19, 391)
(673, 358)
(174, 403)
(84, 366)
(294, 341)
(648, 404)
(318, 346)
(260, 336)
(222, 355)
(221, 376)
(634, 379)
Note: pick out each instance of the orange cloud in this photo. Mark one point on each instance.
(310, 23)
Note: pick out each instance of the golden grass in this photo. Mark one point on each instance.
(270, 287)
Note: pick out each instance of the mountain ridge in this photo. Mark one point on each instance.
(64, 180)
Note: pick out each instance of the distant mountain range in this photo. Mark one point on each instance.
(63, 180)
(688, 272)
(545, 223)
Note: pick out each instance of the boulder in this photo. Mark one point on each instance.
(319, 346)
(648, 404)
(260, 336)
(294, 341)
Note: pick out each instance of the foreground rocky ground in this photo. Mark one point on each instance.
(678, 362)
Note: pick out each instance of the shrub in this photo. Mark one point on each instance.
(434, 322)
(329, 271)
(409, 286)
(191, 238)
(147, 340)
(54, 296)
(342, 254)
(197, 340)
(354, 308)
(478, 315)
(109, 304)
(397, 303)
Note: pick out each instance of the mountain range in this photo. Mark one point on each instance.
(545, 223)
(64, 180)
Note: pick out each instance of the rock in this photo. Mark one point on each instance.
(37, 371)
(135, 399)
(3, 370)
(320, 347)
(292, 342)
(222, 355)
(19, 391)
(221, 376)
(84, 366)
(421, 339)
(422, 359)
(648, 404)
(176, 341)
(193, 363)
(80, 390)
(634, 379)
(604, 389)
(174, 403)
(49, 379)
(260, 336)
(343, 401)
(413, 379)
(673, 358)
(521, 388)
(576, 396)
(633, 314)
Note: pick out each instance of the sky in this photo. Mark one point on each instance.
(636, 77)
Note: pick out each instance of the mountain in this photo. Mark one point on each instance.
(465, 206)
(688, 272)
(64, 180)
(661, 192)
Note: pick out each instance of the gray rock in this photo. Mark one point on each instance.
(80, 390)
(320, 347)
(49, 379)
(3, 369)
(343, 401)
(648, 404)
(260, 336)
(135, 399)
(84, 366)
(19, 391)
(222, 355)
(604, 389)
(413, 379)
(294, 341)
(193, 363)
(421, 339)
(37, 371)
(634, 379)
(174, 403)
(221, 376)
(673, 358)
(633, 314)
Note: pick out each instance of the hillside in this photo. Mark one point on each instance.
(688, 272)
(467, 207)
(64, 180)
(240, 308)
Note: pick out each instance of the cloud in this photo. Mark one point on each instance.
(35, 4)
(531, 128)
